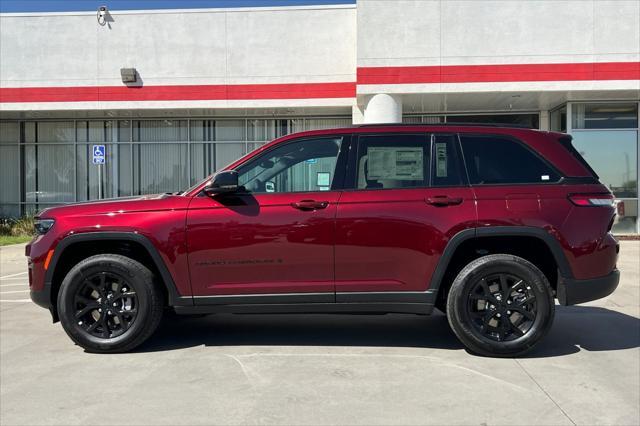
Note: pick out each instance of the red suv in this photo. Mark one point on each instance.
(488, 224)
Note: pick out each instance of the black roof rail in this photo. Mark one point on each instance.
(516, 126)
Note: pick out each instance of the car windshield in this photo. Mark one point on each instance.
(194, 186)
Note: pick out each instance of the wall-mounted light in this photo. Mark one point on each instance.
(128, 75)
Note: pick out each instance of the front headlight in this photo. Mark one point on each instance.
(43, 225)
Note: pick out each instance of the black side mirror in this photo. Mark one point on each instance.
(224, 182)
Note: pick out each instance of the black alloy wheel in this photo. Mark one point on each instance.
(106, 305)
(502, 307)
(110, 303)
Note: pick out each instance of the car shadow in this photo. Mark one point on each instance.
(575, 329)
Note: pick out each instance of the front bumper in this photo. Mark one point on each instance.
(572, 291)
(43, 298)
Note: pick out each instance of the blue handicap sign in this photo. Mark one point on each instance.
(99, 154)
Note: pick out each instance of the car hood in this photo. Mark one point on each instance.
(152, 202)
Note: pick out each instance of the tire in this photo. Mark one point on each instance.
(114, 295)
(490, 324)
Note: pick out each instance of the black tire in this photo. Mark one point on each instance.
(483, 319)
(131, 288)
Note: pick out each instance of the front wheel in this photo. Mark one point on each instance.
(109, 303)
(500, 305)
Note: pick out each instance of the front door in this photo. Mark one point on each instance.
(276, 237)
(409, 198)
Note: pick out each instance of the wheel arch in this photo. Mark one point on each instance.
(74, 248)
(533, 244)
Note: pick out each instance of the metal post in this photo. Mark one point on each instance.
(99, 181)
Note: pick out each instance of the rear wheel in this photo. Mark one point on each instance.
(500, 305)
(109, 303)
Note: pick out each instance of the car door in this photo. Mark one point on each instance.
(278, 236)
(513, 185)
(409, 197)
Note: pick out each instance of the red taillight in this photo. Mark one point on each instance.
(592, 200)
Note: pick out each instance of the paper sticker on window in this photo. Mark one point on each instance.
(544, 177)
(441, 160)
(395, 163)
(323, 179)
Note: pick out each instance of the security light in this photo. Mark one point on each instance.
(129, 75)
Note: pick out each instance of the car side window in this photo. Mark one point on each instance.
(393, 161)
(492, 159)
(302, 166)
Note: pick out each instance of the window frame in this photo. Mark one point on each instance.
(337, 184)
(524, 145)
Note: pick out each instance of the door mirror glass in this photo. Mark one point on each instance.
(223, 183)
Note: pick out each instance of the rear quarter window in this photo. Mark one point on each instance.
(494, 159)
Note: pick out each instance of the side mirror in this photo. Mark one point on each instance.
(224, 182)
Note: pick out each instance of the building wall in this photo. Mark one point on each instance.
(214, 48)
(451, 43)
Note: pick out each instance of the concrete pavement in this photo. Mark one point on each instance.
(322, 369)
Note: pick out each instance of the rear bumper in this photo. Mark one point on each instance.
(572, 291)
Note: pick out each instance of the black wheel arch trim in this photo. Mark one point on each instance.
(499, 231)
(175, 299)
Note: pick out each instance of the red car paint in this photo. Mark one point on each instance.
(363, 240)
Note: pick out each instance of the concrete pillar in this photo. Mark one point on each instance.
(357, 114)
(383, 108)
(544, 120)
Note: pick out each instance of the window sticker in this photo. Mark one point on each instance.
(395, 163)
(441, 160)
(544, 177)
(323, 179)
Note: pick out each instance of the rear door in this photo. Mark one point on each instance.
(408, 198)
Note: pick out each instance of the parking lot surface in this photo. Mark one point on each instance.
(321, 369)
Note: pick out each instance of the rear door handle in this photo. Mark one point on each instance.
(443, 200)
(308, 205)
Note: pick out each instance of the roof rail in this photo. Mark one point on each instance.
(517, 126)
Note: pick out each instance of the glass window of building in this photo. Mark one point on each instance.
(606, 134)
(50, 160)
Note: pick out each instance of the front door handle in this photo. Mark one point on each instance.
(443, 200)
(309, 205)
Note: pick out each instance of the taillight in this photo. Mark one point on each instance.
(592, 200)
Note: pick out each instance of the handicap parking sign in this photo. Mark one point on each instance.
(99, 154)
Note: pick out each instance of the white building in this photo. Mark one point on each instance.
(212, 84)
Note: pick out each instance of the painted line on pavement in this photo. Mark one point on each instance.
(15, 300)
(13, 275)
(14, 291)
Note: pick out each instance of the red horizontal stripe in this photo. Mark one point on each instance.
(598, 71)
(179, 93)
(500, 73)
